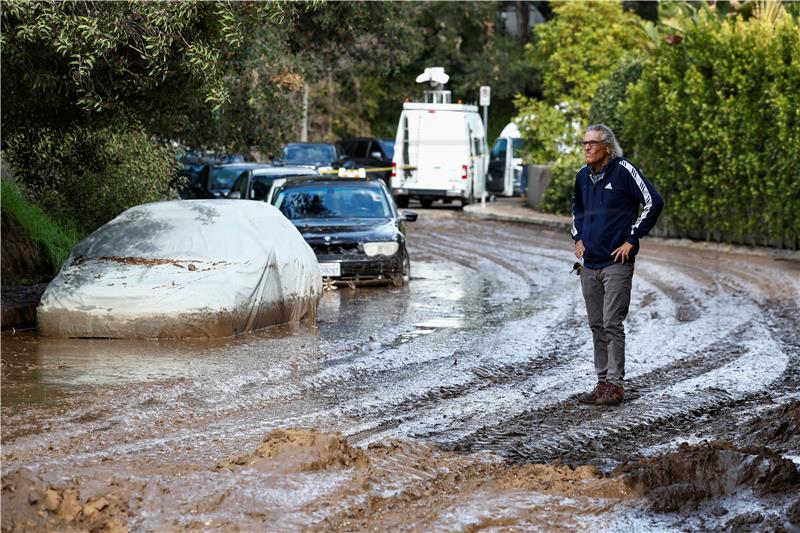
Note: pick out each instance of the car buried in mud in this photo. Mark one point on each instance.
(184, 269)
(353, 226)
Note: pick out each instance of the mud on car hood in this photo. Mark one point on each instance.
(347, 229)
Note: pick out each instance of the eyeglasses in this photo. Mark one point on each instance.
(591, 143)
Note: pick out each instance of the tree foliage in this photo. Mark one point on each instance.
(576, 50)
(105, 57)
(467, 39)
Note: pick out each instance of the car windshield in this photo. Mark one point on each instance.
(333, 201)
(223, 177)
(388, 147)
(308, 154)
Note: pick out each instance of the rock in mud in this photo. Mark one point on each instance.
(683, 479)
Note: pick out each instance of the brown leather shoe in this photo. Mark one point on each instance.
(591, 397)
(611, 394)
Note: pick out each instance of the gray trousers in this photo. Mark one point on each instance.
(607, 293)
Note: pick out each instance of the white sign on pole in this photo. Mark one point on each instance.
(486, 94)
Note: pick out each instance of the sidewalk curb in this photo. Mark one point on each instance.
(564, 223)
(477, 211)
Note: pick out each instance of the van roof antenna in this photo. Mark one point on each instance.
(437, 77)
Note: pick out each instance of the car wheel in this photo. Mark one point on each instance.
(401, 201)
(426, 202)
(405, 274)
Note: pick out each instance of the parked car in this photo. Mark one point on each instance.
(368, 152)
(215, 181)
(321, 156)
(196, 268)
(255, 184)
(353, 226)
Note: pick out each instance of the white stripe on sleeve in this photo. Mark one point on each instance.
(648, 200)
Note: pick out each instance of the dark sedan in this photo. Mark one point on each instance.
(352, 225)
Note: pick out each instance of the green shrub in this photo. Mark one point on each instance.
(57, 240)
(558, 195)
(715, 122)
(90, 176)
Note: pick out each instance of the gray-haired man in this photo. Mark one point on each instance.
(606, 229)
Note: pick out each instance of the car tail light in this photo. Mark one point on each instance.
(394, 169)
(463, 172)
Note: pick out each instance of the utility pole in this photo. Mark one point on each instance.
(304, 128)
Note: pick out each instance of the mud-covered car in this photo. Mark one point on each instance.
(184, 269)
(353, 226)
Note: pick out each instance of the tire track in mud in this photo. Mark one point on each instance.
(510, 380)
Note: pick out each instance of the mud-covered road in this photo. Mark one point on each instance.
(446, 405)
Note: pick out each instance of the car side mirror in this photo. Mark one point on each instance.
(376, 155)
(234, 195)
(409, 216)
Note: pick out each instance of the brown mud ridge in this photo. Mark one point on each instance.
(398, 485)
(777, 428)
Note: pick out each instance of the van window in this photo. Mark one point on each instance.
(405, 140)
(499, 149)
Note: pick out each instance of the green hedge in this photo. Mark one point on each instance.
(715, 123)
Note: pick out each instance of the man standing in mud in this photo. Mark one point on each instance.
(606, 229)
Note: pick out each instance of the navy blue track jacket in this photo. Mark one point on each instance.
(606, 214)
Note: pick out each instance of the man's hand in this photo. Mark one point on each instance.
(621, 253)
(579, 249)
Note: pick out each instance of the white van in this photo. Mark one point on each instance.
(506, 168)
(440, 152)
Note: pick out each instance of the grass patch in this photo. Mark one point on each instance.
(56, 240)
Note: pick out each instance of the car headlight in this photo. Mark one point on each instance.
(380, 248)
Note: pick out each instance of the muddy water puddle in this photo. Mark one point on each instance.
(447, 405)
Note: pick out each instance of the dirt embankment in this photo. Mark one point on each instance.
(406, 485)
(25, 272)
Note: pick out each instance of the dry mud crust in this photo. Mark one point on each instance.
(679, 481)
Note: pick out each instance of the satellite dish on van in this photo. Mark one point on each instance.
(435, 75)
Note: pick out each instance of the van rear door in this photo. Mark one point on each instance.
(439, 147)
